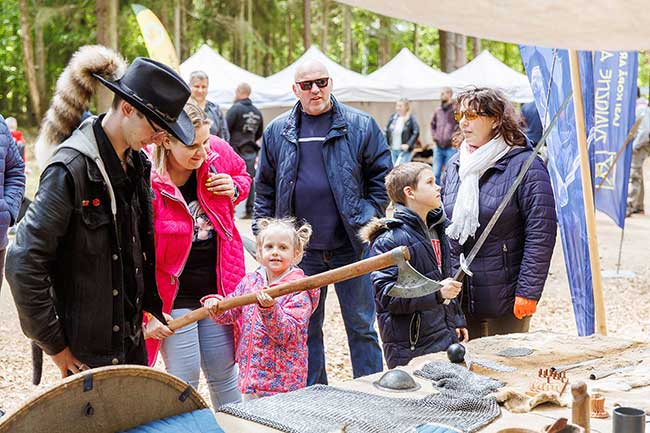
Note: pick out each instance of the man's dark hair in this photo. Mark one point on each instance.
(116, 102)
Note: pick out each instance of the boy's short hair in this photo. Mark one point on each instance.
(400, 177)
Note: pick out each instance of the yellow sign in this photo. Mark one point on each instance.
(156, 39)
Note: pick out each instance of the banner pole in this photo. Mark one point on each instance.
(587, 194)
(620, 251)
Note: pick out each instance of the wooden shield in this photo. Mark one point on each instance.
(104, 400)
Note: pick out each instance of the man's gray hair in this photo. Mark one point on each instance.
(198, 75)
(244, 88)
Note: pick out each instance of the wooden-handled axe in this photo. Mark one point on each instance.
(408, 276)
(415, 291)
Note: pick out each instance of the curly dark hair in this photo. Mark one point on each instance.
(493, 103)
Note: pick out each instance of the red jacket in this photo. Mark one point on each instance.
(174, 227)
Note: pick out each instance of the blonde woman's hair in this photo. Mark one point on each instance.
(406, 102)
(299, 234)
(198, 117)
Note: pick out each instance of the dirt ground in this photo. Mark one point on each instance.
(627, 304)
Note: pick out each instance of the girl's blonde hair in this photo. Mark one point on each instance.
(198, 117)
(300, 234)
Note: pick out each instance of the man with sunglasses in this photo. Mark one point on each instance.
(325, 163)
(443, 127)
(82, 267)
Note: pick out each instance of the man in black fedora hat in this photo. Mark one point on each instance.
(82, 266)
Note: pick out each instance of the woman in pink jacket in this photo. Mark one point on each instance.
(272, 347)
(198, 252)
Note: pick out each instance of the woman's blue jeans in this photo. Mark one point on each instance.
(206, 346)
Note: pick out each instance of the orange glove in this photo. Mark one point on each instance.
(524, 307)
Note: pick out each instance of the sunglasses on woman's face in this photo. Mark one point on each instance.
(468, 114)
(307, 85)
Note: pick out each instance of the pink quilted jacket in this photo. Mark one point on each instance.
(173, 227)
(272, 348)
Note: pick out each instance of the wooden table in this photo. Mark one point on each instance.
(549, 349)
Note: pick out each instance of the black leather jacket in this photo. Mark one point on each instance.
(65, 266)
(410, 131)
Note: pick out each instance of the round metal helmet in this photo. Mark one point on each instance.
(396, 381)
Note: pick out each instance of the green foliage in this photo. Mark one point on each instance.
(12, 80)
(265, 45)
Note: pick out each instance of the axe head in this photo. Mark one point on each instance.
(410, 283)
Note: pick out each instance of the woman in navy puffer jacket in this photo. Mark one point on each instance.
(510, 269)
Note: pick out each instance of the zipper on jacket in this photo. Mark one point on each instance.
(505, 256)
(174, 278)
(214, 215)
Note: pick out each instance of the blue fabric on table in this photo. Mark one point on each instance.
(198, 421)
(434, 428)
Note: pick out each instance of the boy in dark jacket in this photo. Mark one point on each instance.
(417, 326)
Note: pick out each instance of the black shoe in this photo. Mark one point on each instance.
(247, 216)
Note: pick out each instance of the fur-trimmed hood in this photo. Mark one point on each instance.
(402, 215)
(74, 90)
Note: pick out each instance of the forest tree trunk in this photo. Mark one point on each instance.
(461, 50)
(28, 61)
(347, 36)
(325, 19)
(384, 40)
(447, 50)
(106, 34)
(306, 24)
(476, 47)
(178, 10)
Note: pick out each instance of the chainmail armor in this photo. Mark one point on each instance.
(323, 409)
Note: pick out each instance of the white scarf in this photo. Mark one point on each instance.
(472, 166)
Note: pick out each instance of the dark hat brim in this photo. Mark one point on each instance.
(182, 128)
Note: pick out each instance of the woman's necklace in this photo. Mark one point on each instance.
(123, 162)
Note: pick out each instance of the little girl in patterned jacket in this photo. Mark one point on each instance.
(272, 342)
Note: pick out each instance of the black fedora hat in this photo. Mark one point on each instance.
(159, 93)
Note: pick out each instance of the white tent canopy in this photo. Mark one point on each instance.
(416, 80)
(487, 71)
(578, 24)
(348, 85)
(225, 76)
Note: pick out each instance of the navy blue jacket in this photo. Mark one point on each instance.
(398, 317)
(515, 257)
(12, 181)
(356, 158)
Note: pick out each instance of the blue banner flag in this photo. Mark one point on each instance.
(614, 77)
(550, 78)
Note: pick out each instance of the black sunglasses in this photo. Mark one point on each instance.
(320, 82)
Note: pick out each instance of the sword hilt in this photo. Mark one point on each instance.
(463, 270)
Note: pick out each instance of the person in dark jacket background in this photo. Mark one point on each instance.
(245, 124)
(12, 179)
(416, 326)
(325, 162)
(511, 267)
(199, 83)
(443, 127)
(402, 132)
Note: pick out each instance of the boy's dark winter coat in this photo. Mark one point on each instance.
(397, 317)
